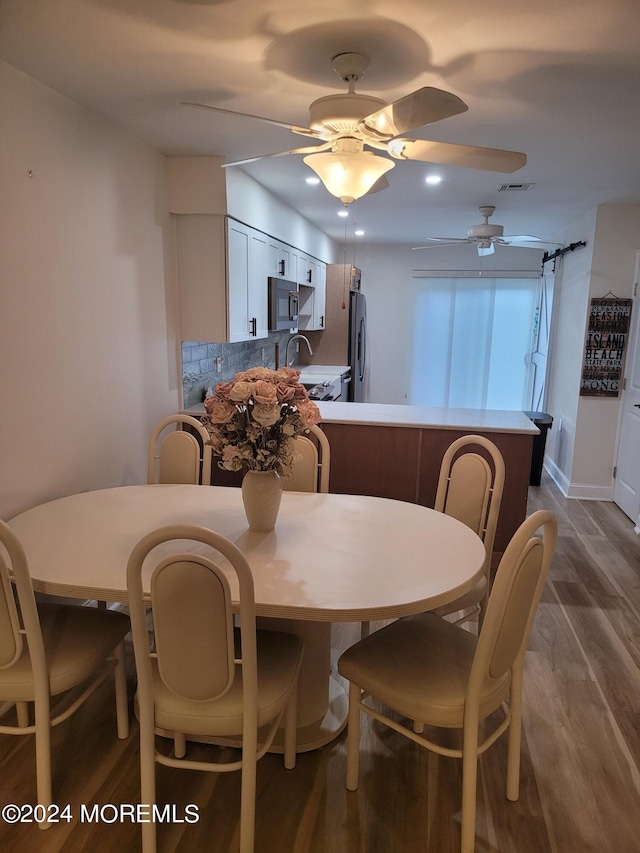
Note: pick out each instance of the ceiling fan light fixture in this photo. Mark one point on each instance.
(348, 175)
(485, 247)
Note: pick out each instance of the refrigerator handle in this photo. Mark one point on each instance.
(362, 347)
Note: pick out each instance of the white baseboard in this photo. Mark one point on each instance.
(587, 492)
(557, 476)
(579, 491)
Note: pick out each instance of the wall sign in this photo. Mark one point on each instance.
(605, 345)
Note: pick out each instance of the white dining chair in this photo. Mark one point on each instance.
(426, 668)
(201, 677)
(176, 455)
(311, 469)
(52, 656)
(470, 489)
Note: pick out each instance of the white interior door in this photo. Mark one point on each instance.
(626, 490)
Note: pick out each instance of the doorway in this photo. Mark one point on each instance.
(626, 489)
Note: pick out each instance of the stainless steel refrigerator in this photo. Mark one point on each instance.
(344, 340)
(357, 345)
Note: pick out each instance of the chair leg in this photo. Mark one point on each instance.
(22, 714)
(122, 700)
(43, 759)
(248, 792)
(290, 729)
(353, 737)
(147, 777)
(469, 786)
(515, 736)
(483, 608)
(179, 744)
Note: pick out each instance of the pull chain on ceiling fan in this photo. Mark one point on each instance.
(345, 124)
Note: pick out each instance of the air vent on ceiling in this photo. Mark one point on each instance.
(515, 188)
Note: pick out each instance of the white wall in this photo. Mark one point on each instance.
(570, 302)
(581, 455)
(200, 185)
(389, 287)
(250, 202)
(88, 355)
(617, 239)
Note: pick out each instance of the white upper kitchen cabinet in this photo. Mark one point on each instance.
(282, 260)
(247, 282)
(320, 296)
(313, 297)
(307, 270)
(222, 279)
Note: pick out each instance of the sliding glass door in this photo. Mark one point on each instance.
(473, 341)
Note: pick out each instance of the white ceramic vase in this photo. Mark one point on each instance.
(261, 495)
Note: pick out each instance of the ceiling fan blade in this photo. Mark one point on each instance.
(449, 154)
(312, 149)
(441, 242)
(304, 131)
(421, 107)
(521, 238)
(449, 239)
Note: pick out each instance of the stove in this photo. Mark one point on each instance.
(324, 382)
(322, 390)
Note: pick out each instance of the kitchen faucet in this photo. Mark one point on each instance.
(296, 337)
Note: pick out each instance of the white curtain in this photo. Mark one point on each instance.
(472, 342)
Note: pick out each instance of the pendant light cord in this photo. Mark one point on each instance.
(344, 267)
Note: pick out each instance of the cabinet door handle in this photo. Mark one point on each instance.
(322, 321)
(253, 323)
(282, 267)
(309, 275)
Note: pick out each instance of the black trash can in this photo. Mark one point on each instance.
(543, 421)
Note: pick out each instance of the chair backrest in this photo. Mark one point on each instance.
(311, 470)
(178, 456)
(513, 602)
(13, 626)
(192, 618)
(470, 489)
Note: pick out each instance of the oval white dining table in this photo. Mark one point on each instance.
(331, 558)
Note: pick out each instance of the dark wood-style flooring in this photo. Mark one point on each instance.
(580, 780)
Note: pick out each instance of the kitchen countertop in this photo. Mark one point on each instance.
(322, 373)
(324, 369)
(424, 417)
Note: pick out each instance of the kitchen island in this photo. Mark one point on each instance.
(395, 451)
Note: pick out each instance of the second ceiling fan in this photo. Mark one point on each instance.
(485, 236)
(345, 125)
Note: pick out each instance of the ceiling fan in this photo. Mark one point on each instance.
(345, 124)
(485, 236)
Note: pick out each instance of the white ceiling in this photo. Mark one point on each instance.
(557, 79)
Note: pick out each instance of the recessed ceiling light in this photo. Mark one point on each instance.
(433, 179)
(312, 180)
(359, 233)
(343, 213)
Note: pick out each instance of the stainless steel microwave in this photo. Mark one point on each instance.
(283, 305)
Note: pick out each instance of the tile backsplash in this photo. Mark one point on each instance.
(201, 369)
